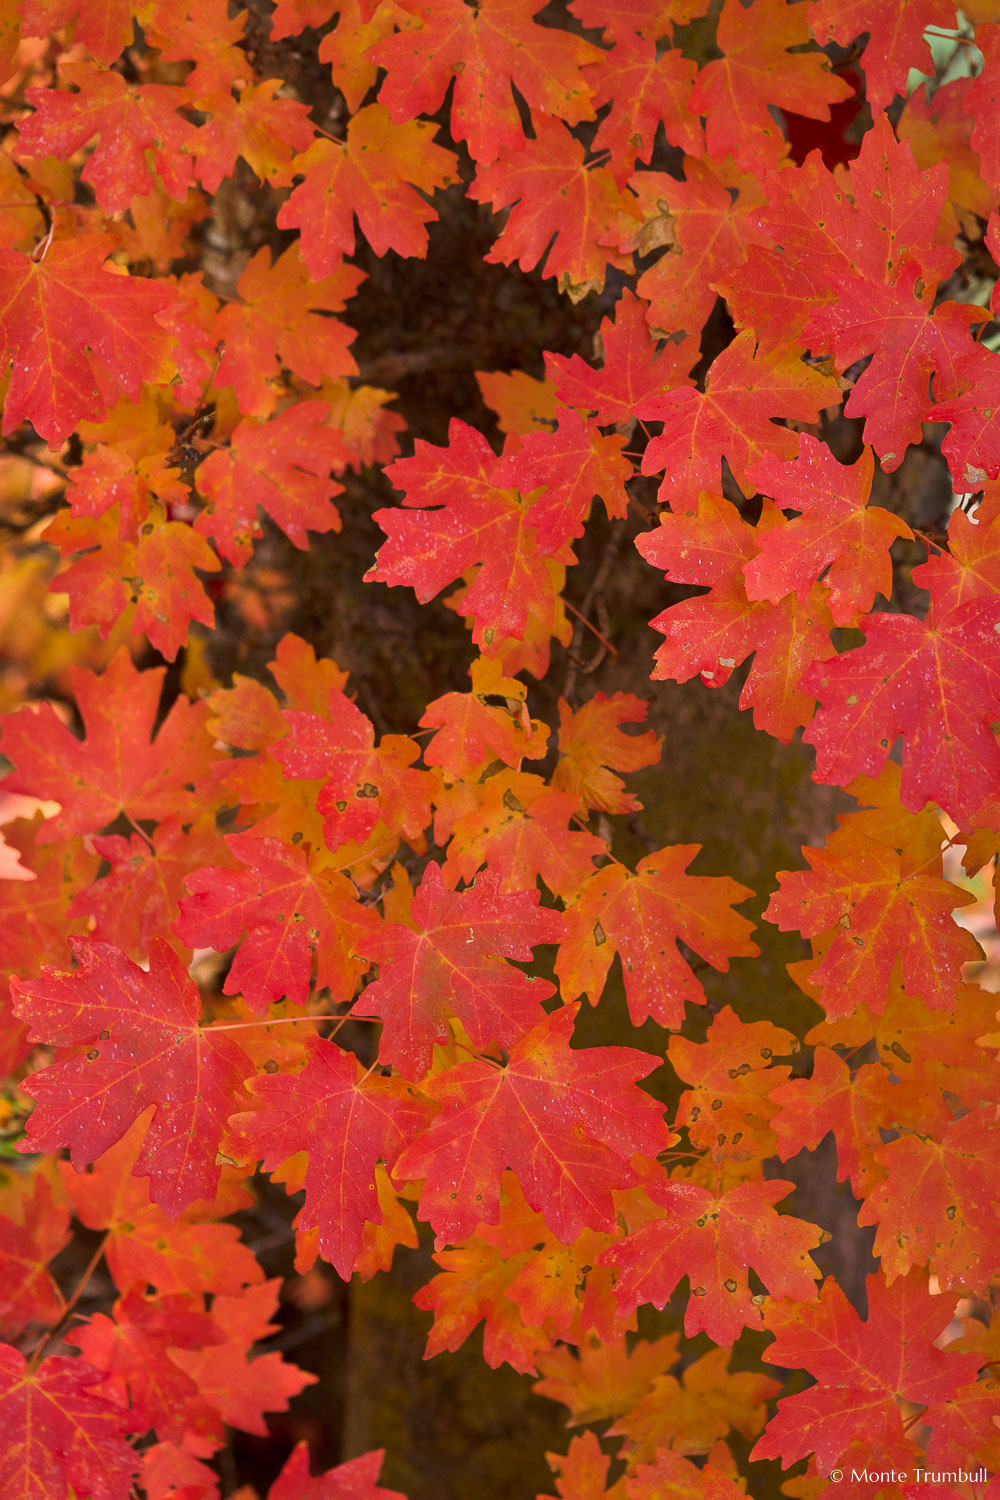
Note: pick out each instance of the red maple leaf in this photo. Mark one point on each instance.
(130, 122)
(714, 1239)
(836, 534)
(451, 959)
(373, 173)
(712, 633)
(263, 127)
(862, 1368)
(758, 70)
(881, 907)
(114, 768)
(156, 574)
(241, 1389)
(69, 329)
(364, 784)
(930, 1210)
(104, 29)
(550, 191)
(357, 1479)
(567, 1122)
(832, 1100)
(632, 369)
(474, 521)
(645, 87)
(642, 918)
(283, 909)
(744, 389)
(485, 50)
(571, 465)
(280, 321)
(136, 901)
(896, 40)
(134, 1349)
(139, 1043)
(937, 684)
(347, 1120)
(61, 1437)
(707, 222)
(142, 1245)
(281, 466)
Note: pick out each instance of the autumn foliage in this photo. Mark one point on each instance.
(252, 927)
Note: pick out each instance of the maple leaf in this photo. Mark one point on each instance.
(913, 340)
(550, 191)
(360, 25)
(930, 1208)
(472, 731)
(642, 917)
(201, 32)
(728, 1110)
(474, 521)
(472, 1289)
(685, 1480)
(485, 51)
(281, 466)
(862, 1368)
(130, 122)
(714, 1239)
(519, 828)
(592, 747)
(937, 684)
(831, 1100)
(34, 913)
(142, 1245)
(357, 1479)
(114, 768)
(347, 1120)
(137, 899)
(114, 477)
(28, 1293)
(571, 466)
(582, 1473)
(70, 330)
(632, 368)
(895, 38)
(836, 534)
(104, 29)
(712, 633)
(882, 910)
(373, 173)
(756, 71)
(522, 404)
(603, 1379)
(282, 908)
(262, 128)
(707, 222)
(567, 1122)
(134, 1349)
(645, 89)
(156, 574)
(62, 1437)
(971, 445)
(744, 389)
(242, 1389)
(143, 1046)
(279, 322)
(364, 785)
(704, 1405)
(452, 957)
(980, 103)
